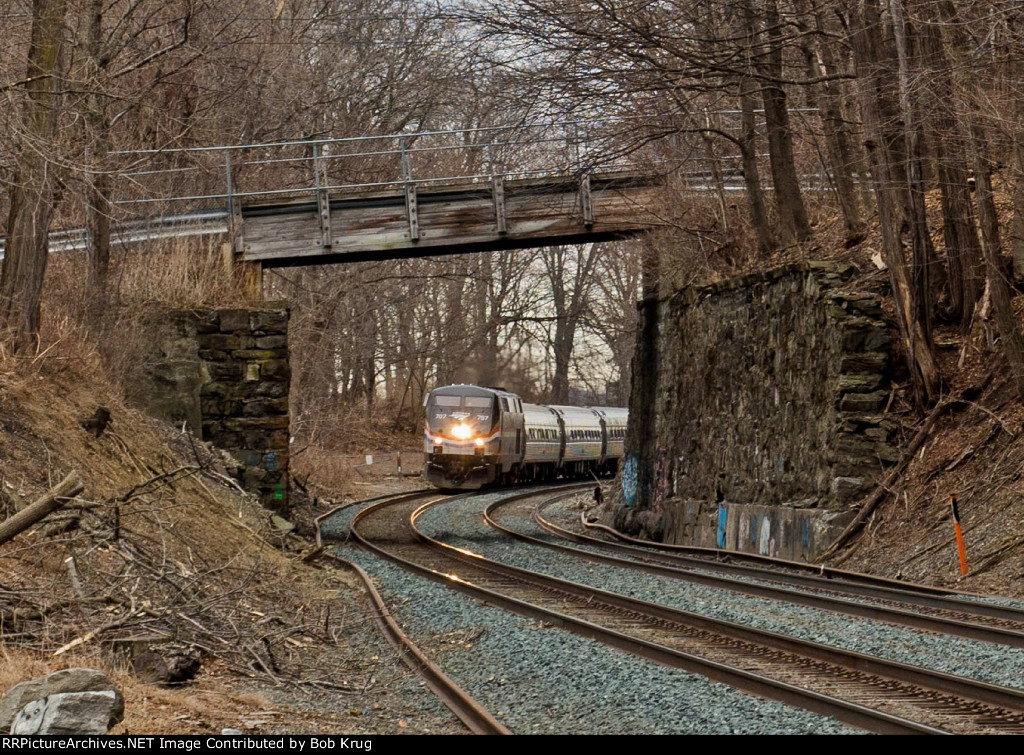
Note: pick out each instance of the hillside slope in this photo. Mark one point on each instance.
(162, 553)
(976, 453)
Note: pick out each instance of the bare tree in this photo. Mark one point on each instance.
(1009, 330)
(828, 97)
(570, 272)
(876, 67)
(612, 309)
(35, 181)
(788, 197)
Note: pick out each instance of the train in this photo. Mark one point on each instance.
(476, 437)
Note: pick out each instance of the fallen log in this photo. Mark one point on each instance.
(882, 490)
(67, 489)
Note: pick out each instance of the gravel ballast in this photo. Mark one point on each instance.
(995, 664)
(540, 680)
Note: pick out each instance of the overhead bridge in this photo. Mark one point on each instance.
(428, 219)
(319, 201)
(421, 194)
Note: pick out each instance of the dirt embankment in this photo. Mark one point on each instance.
(975, 452)
(163, 552)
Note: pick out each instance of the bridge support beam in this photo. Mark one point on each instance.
(248, 276)
(586, 201)
(498, 191)
(419, 219)
(323, 203)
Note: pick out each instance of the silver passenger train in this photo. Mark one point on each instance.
(476, 436)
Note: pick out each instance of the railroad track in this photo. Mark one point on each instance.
(869, 693)
(475, 717)
(918, 606)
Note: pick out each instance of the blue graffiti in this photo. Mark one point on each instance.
(629, 480)
(723, 516)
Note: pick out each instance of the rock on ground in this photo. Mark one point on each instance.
(70, 713)
(60, 682)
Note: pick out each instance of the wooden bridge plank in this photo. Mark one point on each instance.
(448, 220)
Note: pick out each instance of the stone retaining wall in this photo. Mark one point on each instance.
(244, 394)
(225, 374)
(766, 391)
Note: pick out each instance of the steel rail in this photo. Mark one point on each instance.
(849, 712)
(945, 625)
(335, 510)
(835, 580)
(987, 692)
(729, 560)
(476, 718)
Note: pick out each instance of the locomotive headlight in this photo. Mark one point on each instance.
(462, 432)
(480, 442)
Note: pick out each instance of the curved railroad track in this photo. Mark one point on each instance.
(905, 604)
(870, 693)
(475, 717)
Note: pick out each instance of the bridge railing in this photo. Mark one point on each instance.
(213, 178)
(163, 193)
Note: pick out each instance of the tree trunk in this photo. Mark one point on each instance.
(1018, 194)
(829, 106)
(875, 77)
(68, 488)
(562, 341)
(788, 198)
(766, 241)
(32, 191)
(486, 351)
(959, 229)
(568, 303)
(98, 193)
(1018, 163)
(1009, 332)
(716, 175)
(923, 258)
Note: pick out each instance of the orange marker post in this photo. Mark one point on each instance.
(959, 535)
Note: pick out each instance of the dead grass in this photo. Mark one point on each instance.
(169, 555)
(976, 454)
(191, 550)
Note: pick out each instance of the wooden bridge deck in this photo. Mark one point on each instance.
(420, 220)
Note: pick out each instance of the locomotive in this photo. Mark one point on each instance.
(474, 437)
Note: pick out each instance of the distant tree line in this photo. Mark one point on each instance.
(870, 104)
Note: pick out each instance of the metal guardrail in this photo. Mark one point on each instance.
(197, 190)
(367, 163)
(136, 231)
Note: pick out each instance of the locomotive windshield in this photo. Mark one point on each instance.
(449, 415)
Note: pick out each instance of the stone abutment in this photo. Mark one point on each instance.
(225, 374)
(758, 418)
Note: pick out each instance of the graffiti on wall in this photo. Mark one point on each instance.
(629, 480)
(660, 482)
(765, 541)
